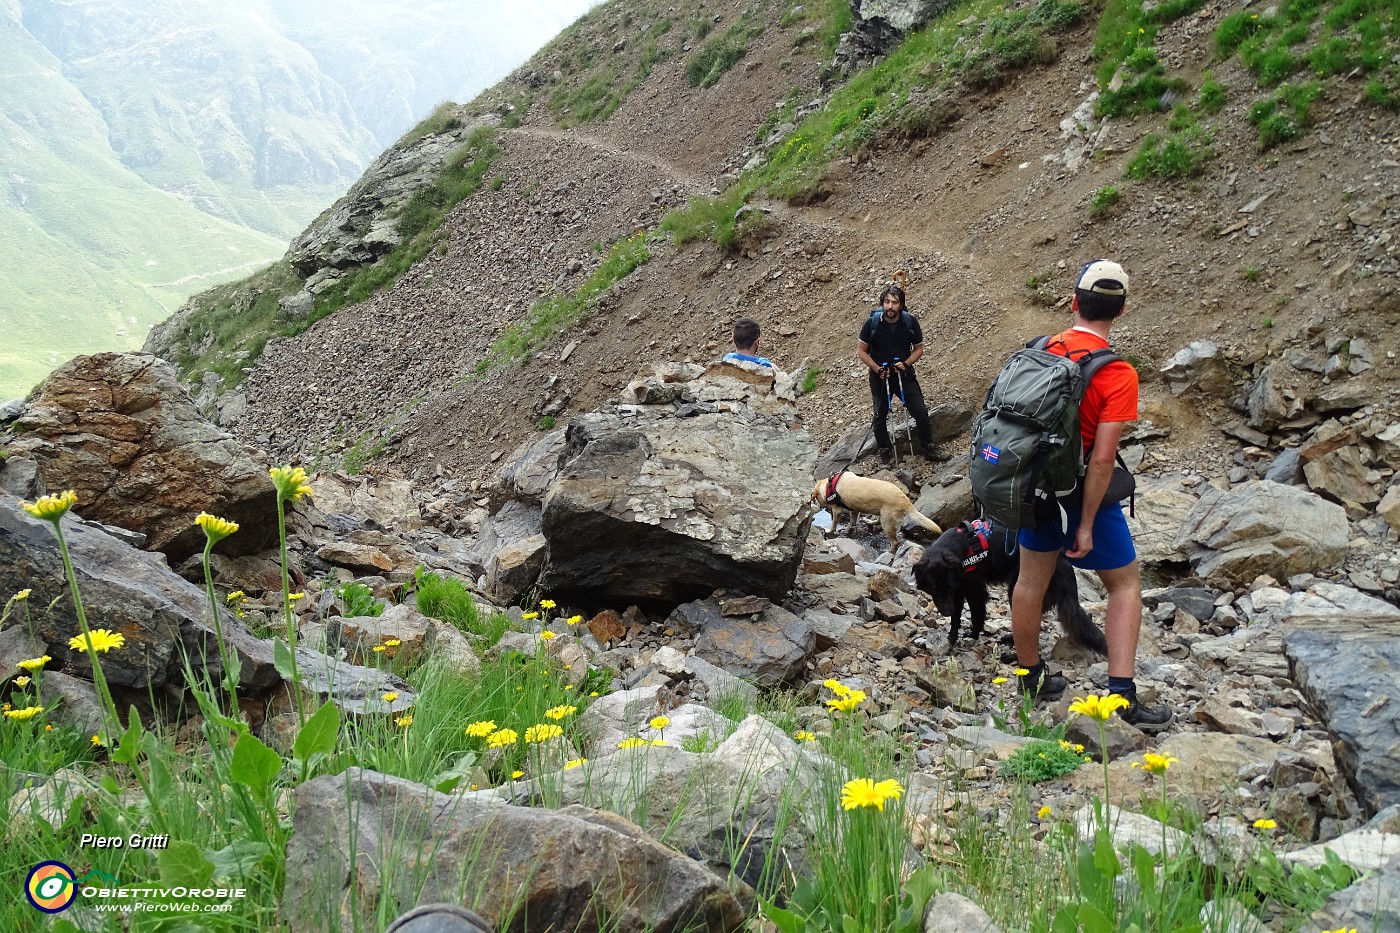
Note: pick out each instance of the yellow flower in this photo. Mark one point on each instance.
(517, 775)
(849, 702)
(1339, 929)
(102, 642)
(502, 737)
(236, 594)
(1265, 824)
(27, 713)
(836, 687)
(1043, 812)
(482, 728)
(293, 597)
(890, 789)
(48, 727)
(1098, 708)
(291, 482)
(215, 528)
(573, 620)
(658, 742)
(863, 792)
(21, 681)
(52, 508)
(573, 763)
(1021, 672)
(802, 735)
(568, 686)
(543, 732)
(22, 595)
(527, 616)
(999, 680)
(1157, 764)
(405, 721)
(660, 722)
(378, 649)
(34, 664)
(392, 643)
(593, 693)
(96, 741)
(548, 636)
(391, 696)
(547, 604)
(560, 712)
(632, 742)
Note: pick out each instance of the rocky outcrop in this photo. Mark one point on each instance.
(1198, 367)
(1345, 667)
(879, 25)
(768, 647)
(697, 481)
(520, 867)
(119, 429)
(125, 590)
(1263, 527)
(745, 789)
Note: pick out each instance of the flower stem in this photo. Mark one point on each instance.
(99, 679)
(225, 674)
(287, 610)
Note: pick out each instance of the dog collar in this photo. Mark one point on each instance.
(832, 496)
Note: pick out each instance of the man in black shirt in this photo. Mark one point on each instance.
(890, 343)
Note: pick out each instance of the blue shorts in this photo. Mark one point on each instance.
(1113, 542)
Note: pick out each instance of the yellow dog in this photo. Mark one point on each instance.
(853, 493)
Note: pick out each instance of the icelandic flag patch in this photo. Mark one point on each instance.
(990, 453)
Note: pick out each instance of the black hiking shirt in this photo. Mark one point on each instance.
(889, 342)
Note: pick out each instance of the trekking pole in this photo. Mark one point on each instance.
(889, 410)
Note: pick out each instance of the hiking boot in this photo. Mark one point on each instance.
(1144, 717)
(886, 455)
(439, 918)
(1047, 686)
(932, 454)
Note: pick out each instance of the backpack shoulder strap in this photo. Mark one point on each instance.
(1039, 343)
(1095, 360)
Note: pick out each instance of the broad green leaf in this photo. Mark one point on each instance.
(282, 658)
(254, 764)
(1066, 920)
(445, 782)
(155, 750)
(1092, 920)
(785, 920)
(317, 736)
(184, 863)
(128, 750)
(238, 860)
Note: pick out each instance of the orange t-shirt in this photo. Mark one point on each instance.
(1112, 395)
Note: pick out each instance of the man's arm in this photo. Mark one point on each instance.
(863, 352)
(1096, 476)
(915, 354)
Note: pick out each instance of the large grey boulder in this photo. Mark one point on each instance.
(726, 808)
(1346, 671)
(128, 591)
(1199, 366)
(364, 843)
(881, 24)
(1371, 903)
(1159, 511)
(767, 648)
(119, 429)
(663, 510)
(1262, 527)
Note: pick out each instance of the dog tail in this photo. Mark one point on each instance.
(1075, 622)
(923, 521)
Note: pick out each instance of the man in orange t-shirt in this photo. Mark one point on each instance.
(1097, 538)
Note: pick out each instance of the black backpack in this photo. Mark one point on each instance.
(1027, 454)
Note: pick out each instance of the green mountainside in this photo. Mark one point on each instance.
(151, 150)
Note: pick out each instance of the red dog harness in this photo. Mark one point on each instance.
(977, 532)
(832, 496)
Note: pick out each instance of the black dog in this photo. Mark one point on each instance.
(958, 566)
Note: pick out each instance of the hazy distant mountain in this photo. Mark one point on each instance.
(150, 149)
